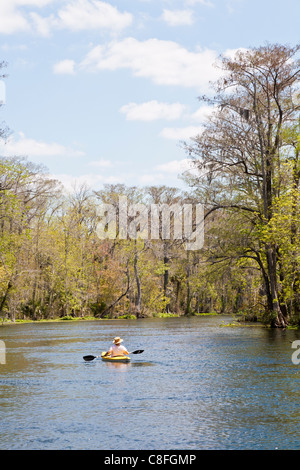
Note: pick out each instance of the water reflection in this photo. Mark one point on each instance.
(118, 365)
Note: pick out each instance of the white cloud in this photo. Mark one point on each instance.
(206, 3)
(14, 19)
(64, 67)
(75, 15)
(43, 26)
(175, 166)
(150, 178)
(33, 148)
(93, 180)
(14, 47)
(36, 3)
(178, 17)
(152, 110)
(81, 15)
(102, 163)
(70, 182)
(164, 62)
(11, 20)
(231, 53)
(167, 173)
(202, 113)
(180, 133)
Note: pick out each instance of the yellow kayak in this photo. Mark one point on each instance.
(115, 358)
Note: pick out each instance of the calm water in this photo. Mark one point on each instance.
(196, 386)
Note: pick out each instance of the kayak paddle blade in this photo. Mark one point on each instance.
(89, 358)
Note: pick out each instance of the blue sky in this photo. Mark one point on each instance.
(104, 91)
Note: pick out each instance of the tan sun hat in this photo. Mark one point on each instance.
(117, 340)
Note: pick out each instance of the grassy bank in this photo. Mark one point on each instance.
(69, 318)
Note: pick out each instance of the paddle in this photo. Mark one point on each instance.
(91, 358)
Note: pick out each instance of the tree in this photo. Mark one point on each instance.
(242, 150)
(25, 196)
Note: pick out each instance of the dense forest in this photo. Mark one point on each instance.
(245, 172)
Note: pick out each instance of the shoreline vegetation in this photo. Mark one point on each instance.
(237, 320)
(69, 318)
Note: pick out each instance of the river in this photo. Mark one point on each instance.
(196, 386)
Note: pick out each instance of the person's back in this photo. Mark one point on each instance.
(116, 349)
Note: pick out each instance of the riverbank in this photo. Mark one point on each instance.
(236, 321)
(92, 318)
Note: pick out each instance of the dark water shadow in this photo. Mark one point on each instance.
(90, 363)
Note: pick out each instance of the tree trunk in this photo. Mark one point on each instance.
(138, 302)
(5, 297)
(166, 281)
(188, 289)
(278, 316)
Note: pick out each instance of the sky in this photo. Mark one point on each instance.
(105, 92)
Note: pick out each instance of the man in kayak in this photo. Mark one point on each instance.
(117, 349)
